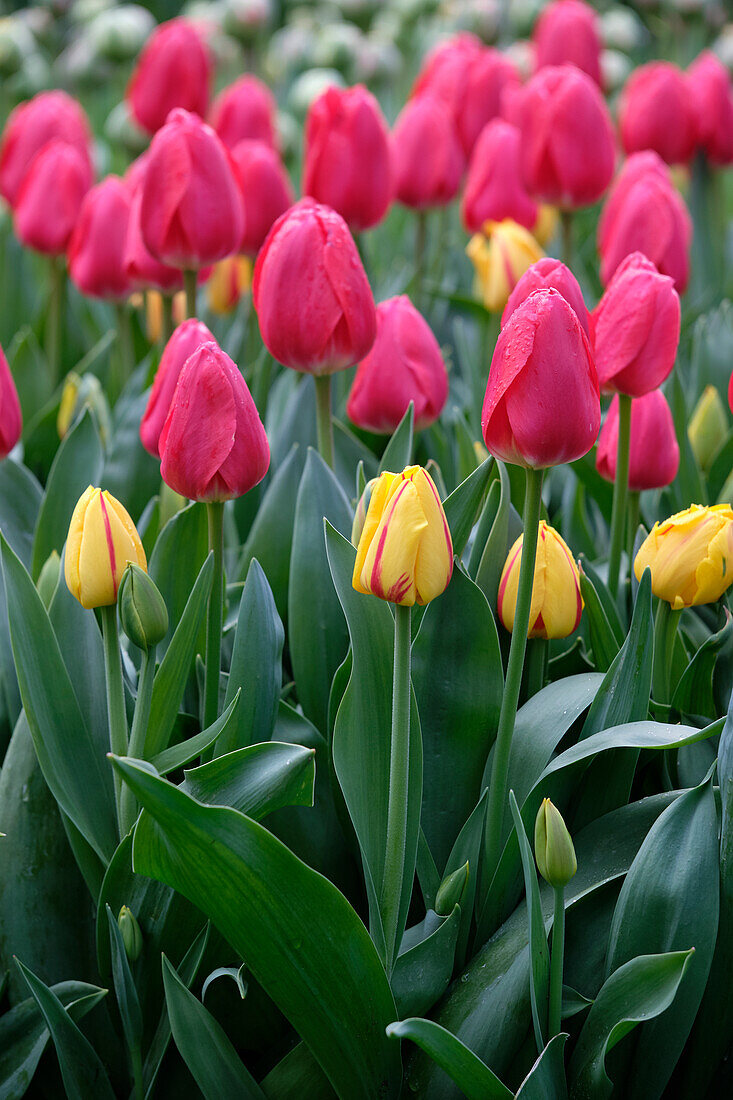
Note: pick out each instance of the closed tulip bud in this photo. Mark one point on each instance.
(191, 209)
(428, 157)
(712, 99)
(550, 274)
(186, 339)
(708, 427)
(96, 253)
(656, 112)
(174, 70)
(568, 148)
(313, 301)
(230, 279)
(245, 111)
(48, 578)
(362, 508)
(405, 553)
(451, 891)
(348, 159)
(143, 613)
(102, 539)
(500, 254)
(49, 200)
(132, 937)
(690, 556)
(494, 186)
(404, 365)
(11, 420)
(553, 846)
(78, 394)
(143, 270)
(542, 405)
(568, 32)
(265, 188)
(48, 116)
(213, 445)
(637, 328)
(556, 601)
(444, 72)
(654, 455)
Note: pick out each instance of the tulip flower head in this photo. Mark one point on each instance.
(143, 270)
(265, 189)
(245, 111)
(690, 556)
(654, 454)
(11, 421)
(500, 254)
(96, 252)
(556, 601)
(494, 186)
(405, 552)
(547, 274)
(712, 99)
(567, 32)
(174, 70)
(428, 157)
(189, 336)
(102, 540)
(48, 116)
(708, 427)
(656, 112)
(553, 846)
(49, 198)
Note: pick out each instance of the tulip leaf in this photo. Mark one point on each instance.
(295, 1076)
(257, 779)
(496, 543)
(125, 991)
(313, 957)
(602, 639)
(694, 694)
(471, 1075)
(539, 955)
(688, 485)
(606, 600)
(398, 452)
(173, 572)
(20, 500)
(424, 965)
(467, 849)
(546, 1080)
(175, 756)
(462, 505)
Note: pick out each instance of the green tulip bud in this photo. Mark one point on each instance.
(78, 394)
(708, 427)
(451, 891)
(132, 937)
(553, 847)
(49, 578)
(143, 613)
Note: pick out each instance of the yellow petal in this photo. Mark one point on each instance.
(73, 543)
(434, 563)
(381, 492)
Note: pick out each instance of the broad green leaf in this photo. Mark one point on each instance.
(473, 1077)
(602, 638)
(20, 500)
(398, 452)
(467, 849)
(462, 505)
(424, 965)
(497, 544)
(485, 523)
(694, 694)
(175, 756)
(539, 954)
(606, 600)
(125, 991)
(546, 1080)
(175, 573)
(257, 779)
(296, 1076)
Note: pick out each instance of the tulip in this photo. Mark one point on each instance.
(186, 339)
(550, 274)
(553, 846)
(132, 937)
(500, 254)
(494, 187)
(11, 421)
(712, 100)
(404, 365)
(451, 890)
(174, 70)
(637, 328)
(230, 279)
(48, 116)
(77, 395)
(654, 455)
(556, 601)
(405, 553)
(245, 111)
(102, 539)
(567, 32)
(348, 160)
(690, 556)
(265, 189)
(444, 72)
(708, 427)
(143, 270)
(49, 199)
(656, 112)
(644, 213)
(428, 157)
(143, 613)
(568, 147)
(96, 252)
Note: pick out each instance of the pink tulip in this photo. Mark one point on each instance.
(567, 33)
(712, 100)
(494, 186)
(245, 111)
(186, 339)
(96, 252)
(654, 456)
(265, 188)
(48, 203)
(550, 274)
(11, 421)
(174, 70)
(48, 116)
(428, 157)
(656, 112)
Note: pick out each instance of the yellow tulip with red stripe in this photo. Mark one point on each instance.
(102, 539)
(500, 254)
(556, 601)
(690, 556)
(405, 551)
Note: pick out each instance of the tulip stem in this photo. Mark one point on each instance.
(128, 805)
(189, 284)
(126, 350)
(168, 324)
(324, 422)
(665, 634)
(399, 771)
(116, 713)
(57, 278)
(620, 492)
(215, 514)
(566, 228)
(421, 236)
(556, 962)
(513, 682)
(632, 523)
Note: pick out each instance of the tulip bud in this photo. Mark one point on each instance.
(141, 268)
(567, 32)
(712, 100)
(48, 578)
(96, 252)
(362, 508)
(708, 427)
(494, 188)
(132, 937)
(189, 336)
(553, 846)
(49, 199)
(405, 552)
(48, 116)
(654, 455)
(550, 274)
(78, 394)
(428, 157)
(556, 601)
(245, 111)
(265, 189)
(143, 613)
(451, 891)
(11, 420)
(174, 70)
(501, 254)
(102, 539)
(656, 112)
(690, 556)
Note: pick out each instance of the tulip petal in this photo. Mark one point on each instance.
(434, 561)
(389, 566)
(383, 489)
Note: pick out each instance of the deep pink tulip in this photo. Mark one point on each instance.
(645, 213)
(712, 99)
(428, 157)
(567, 33)
(49, 200)
(568, 147)
(191, 212)
(313, 300)
(550, 274)
(186, 339)
(494, 186)
(654, 456)
(245, 111)
(174, 70)
(48, 116)
(11, 421)
(404, 365)
(444, 71)
(143, 270)
(213, 445)
(348, 159)
(637, 328)
(542, 404)
(730, 392)
(265, 188)
(96, 252)
(656, 112)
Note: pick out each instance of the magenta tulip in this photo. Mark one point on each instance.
(428, 157)
(245, 111)
(48, 203)
(656, 112)
(174, 70)
(186, 339)
(567, 33)
(11, 421)
(654, 456)
(48, 116)
(712, 100)
(265, 188)
(96, 252)
(550, 274)
(494, 186)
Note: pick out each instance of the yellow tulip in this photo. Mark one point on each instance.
(405, 552)
(500, 254)
(553, 846)
(102, 539)
(545, 227)
(708, 427)
(556, 600)
(230, 279)
(690, 556)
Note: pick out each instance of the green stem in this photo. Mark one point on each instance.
(665, 634)
(566, 224)
(126, 350)
(421, 236)
(115, 694)
(556, 962)
(399, 768)
(535, 666)
(620, 491)
(215, 514)
(189, 284)
(54, 322)
(128, 809)
(632, 524)
(515, 664)
(137, 1073)
(324, 423)
(168, 324)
